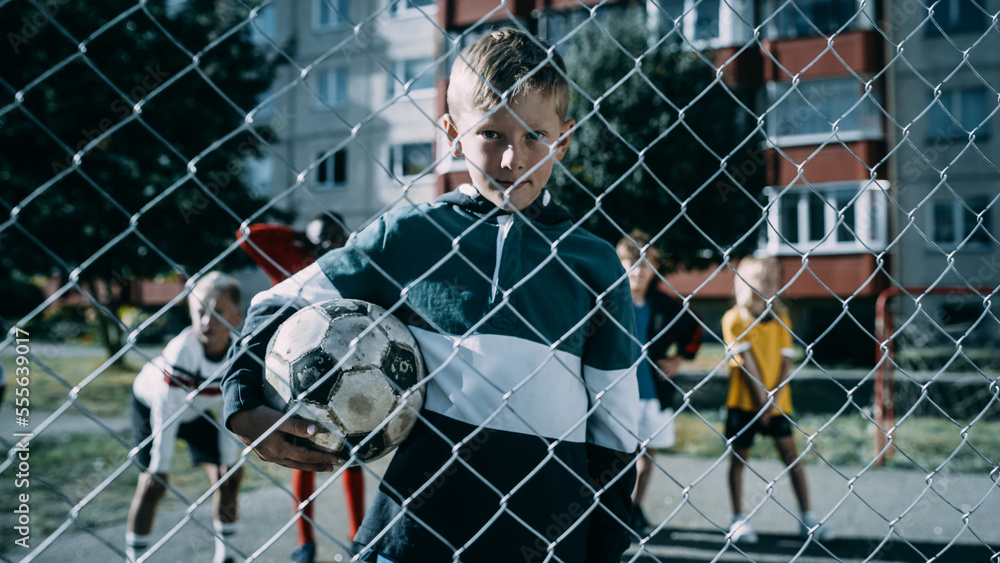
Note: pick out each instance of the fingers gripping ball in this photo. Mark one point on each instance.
(348, 366)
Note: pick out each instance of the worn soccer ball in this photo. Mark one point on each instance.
(348, 366)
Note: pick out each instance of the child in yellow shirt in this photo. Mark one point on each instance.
(758, 336)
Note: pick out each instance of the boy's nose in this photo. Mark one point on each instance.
(510, 158)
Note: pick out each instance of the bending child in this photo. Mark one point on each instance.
(194, 360)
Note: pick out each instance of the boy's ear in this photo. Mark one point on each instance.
(451, 130)
(564, 137)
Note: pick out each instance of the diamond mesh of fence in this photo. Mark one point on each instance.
(143, 142)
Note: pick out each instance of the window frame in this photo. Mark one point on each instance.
(334, 74)
(939, 110)
(974, 20)
(960, 218)
(402, 9)
(395, 87)
(340, 22)
(870, 214)
(868, 115)
(396, 160)
(328, 167)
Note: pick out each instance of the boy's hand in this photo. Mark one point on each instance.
(249, 425)
(670, 366)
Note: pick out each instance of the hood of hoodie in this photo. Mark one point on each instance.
(544, 209)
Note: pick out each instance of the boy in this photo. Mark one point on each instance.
(281, 251)
(525, 446)
(662, 322)
(191, 362)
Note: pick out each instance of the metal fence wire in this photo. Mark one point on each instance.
(852, 140)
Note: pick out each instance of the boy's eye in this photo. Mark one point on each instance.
(491, 134)
(536, 135)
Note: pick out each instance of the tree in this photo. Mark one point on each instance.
(109, 116)
(655, 125)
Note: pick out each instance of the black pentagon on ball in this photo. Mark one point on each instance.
(338, 308)
(399, 364)
(373, 448)
(315, 365)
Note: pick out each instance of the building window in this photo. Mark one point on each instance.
(331, 89)
(807, 113)
(420, 71)
(957, 223)
(810, 18)
(956, 113)
(706, 20)
(956, 16)
(410, 159)
(835, 218)
(405, 8)
(330, 14)
(332, 170)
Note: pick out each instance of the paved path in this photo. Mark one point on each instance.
(692, 497)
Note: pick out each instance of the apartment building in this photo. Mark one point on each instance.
(354, 108)
(946, 83)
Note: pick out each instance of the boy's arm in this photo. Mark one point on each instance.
(609, 358)
(752, 377)
(245, 411)
(786, 370)
(685, 332)
(787, 355)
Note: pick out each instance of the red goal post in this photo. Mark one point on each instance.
(884, 402)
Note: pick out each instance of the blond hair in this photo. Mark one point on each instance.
(749, 275)
(505, 64)
(215, 283)
(630, 248)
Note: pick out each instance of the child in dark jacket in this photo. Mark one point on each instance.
(525, 445)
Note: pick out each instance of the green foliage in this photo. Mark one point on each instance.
(108, 127)
(655, 126)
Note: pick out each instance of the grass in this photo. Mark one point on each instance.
(922, 444)
(66, 468)
(53, 379)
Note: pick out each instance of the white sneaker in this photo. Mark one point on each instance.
(810, 525)
(740, 530)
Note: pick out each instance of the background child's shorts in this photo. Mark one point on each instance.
(737, 420)
(201, 435)
(656, 423)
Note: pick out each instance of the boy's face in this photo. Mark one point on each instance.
(501, 152)
(211, 318)
(639, 276)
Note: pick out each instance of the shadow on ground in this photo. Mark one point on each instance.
(693, 546)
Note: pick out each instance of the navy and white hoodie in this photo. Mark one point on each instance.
(527, 329)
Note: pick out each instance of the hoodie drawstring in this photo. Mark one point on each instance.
(504, 222)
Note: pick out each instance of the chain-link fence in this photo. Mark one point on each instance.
(854, 141)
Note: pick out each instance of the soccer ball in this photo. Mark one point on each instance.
(334, 365)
